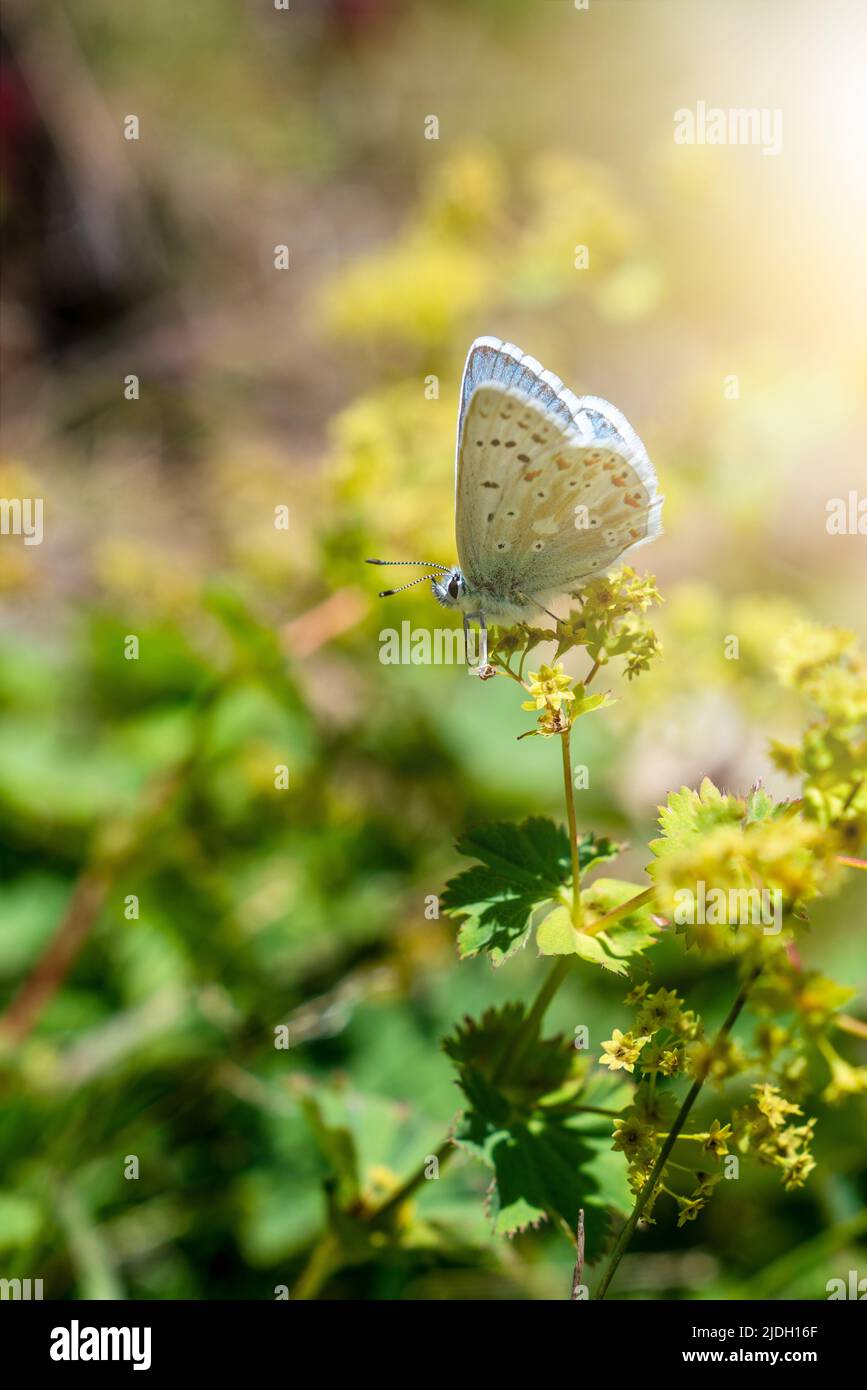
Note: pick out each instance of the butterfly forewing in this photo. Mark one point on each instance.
(543, 504)
(504, 364)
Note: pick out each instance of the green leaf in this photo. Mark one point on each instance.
(337, 1147)
(522, 868)
(585, 704)
(632, 934)
(549, 1158)
(548, 1067)
(689, 815)
(761, 806)
(556, 936)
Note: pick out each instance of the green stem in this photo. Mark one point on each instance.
(533, 1021)
(645, 896)
(656, 1173)
(529, 1029)
(847, 1024)
(573, 829)
(664, 1134)
(325, 1260)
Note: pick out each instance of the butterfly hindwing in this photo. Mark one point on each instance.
(543, 504)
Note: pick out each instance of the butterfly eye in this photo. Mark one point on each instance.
(453, 588)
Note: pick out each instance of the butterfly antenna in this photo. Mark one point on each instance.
(428, 564)
(387, 593)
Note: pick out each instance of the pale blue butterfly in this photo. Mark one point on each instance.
(551, 489)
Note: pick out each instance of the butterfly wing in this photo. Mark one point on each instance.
(490, 360)
(529, 453)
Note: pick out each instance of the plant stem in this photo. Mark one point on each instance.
(533, 1021)
(640, 900)
(656, 1173)
(573, 829)
(528, 1030)
(325, 1260)
(847, 1024)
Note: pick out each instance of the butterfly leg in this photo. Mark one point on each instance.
(483, 634)
(481, 648)
(528, 598)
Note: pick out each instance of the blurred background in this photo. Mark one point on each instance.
(164, 905)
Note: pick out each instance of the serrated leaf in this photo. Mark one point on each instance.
(522, 868)
(478, 1049)
(760, 805)
(688, 815)
(549, 1159)
(551, 1172)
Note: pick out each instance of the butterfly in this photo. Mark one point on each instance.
(551, 489)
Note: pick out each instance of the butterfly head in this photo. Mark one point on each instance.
(450, 588)
(447, 583)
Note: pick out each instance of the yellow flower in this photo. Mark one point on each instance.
(796, 1171)
(716, 1141)
(633, 1138)
(689, 1208)
(657, 1058)
(549, 688)
(660, 1010)
(773, 1106)
(622, 1050)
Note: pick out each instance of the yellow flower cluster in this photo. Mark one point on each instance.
(762, 1127)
